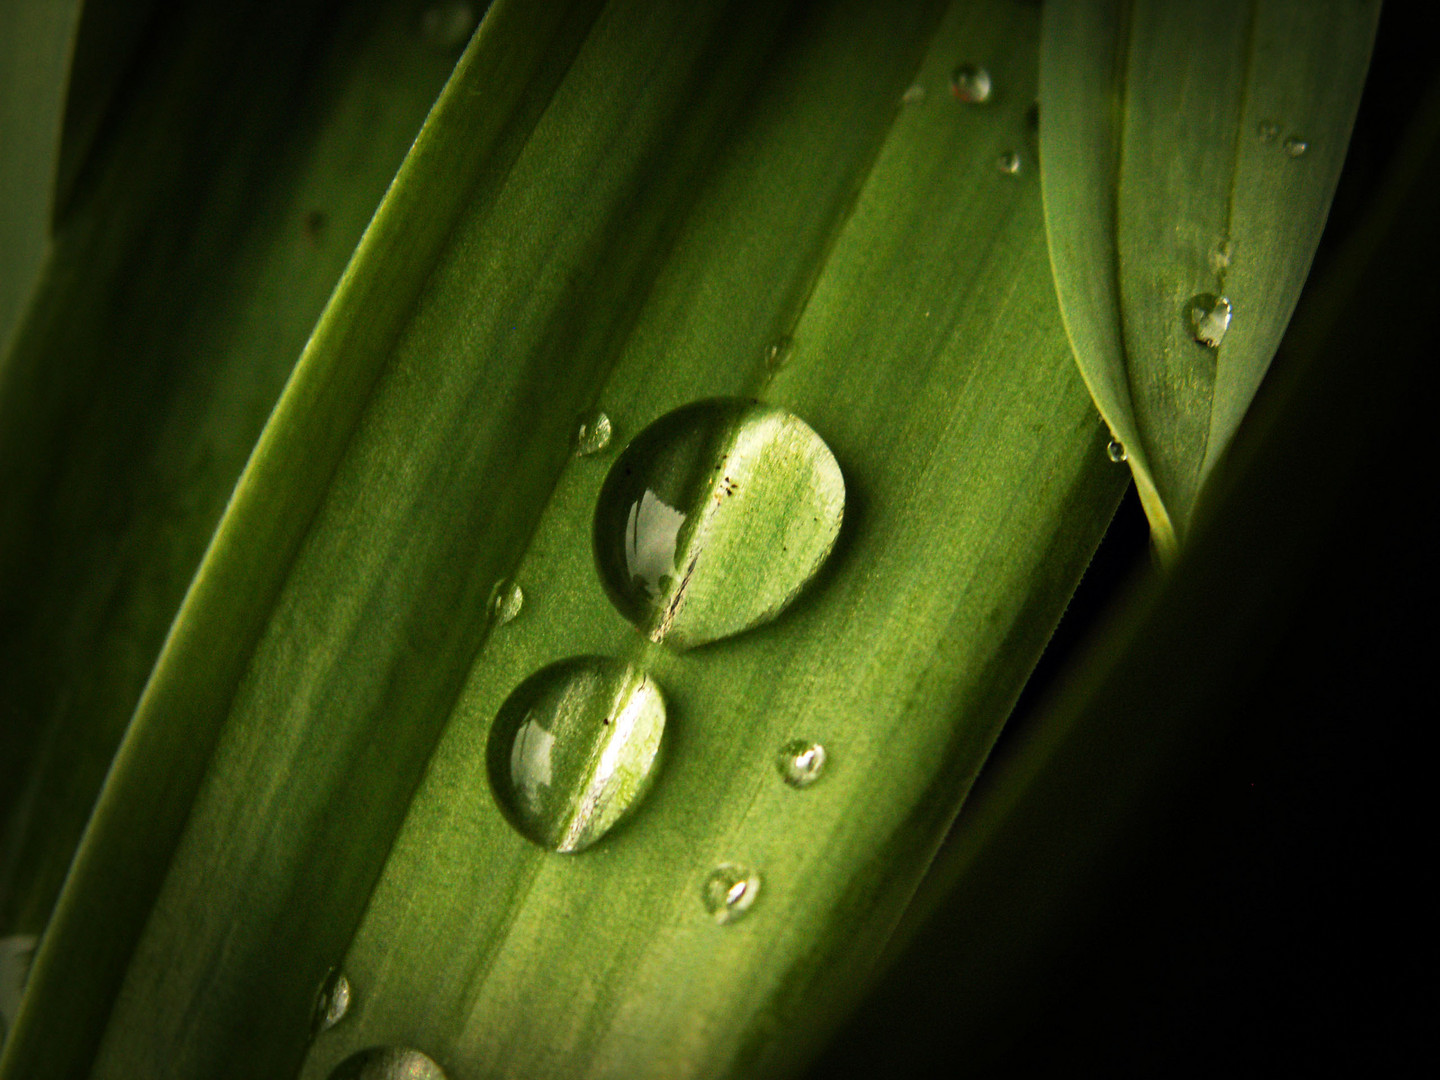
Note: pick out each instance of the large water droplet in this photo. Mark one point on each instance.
(729, 891)
(16, 952)
(970, 83)
(388, 1063)
(1208, 317)
(332, 1002)
(1115, 451)
(801, 762)
(714, 517)
(1295, 147)
(447, 25)
(574, 749)
(506, 600)
(593, 435)
(1008, 163)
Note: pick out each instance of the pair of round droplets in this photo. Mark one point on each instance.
(708, 524)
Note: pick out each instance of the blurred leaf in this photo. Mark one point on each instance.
(207, 234)
(1189, 158)
(629, 207)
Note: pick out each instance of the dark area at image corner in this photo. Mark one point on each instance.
(1269, 920)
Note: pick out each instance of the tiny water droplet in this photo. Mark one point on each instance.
(1115, 451)
(970, 83)
(1222, 254)
(1268, 130)
(1295, 147)
(729, 891)
(777, 353)
(16, 953)
(1208, 317)
(448, 25)
(801, 762)
(714, 517)
(332, 1002)
(388, 1063)
(593, 435)
(1008, 163)
(574, 749)
(914, 94)
(506, 600)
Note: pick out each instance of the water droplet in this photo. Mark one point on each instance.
(1268, 130)
(714, 517)
(913, 95)
(1115, 451)
(593, 435)
(801, 762)
(729, 891)
(16, 952)
(1295, 147)
(506, 600)
(388, 1063)
(448, 25)
(574, 749)
(332, 1002)
(777, 353)
(970, 83)
(1208, 317)
(1220, 257)
(1008, 163)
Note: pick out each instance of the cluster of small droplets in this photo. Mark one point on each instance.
(970, 83)
(593, 435)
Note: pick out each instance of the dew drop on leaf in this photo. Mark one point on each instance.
(447, 25)
(1295, 147)
(1008, 163)
(388, 1063)
(1208, 317)
(777, 353)
(574, 749)
(506, 600)
(970, 83)
(712, 520)
(801, 762)
(593, 434)
(1115, 451)
(729, 891)
(332, 1002)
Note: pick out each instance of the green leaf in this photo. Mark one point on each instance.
(626, 207)
(195, 255)
(1187, 155)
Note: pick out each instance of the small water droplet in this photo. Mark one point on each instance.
(914, 94)
(574, 749)
(1208, 317)
(777, 353)
(1295, 147)
(448, 25)
(1268, 130)
(16, 953)
(332, 1002)
(712, 520)
(506, 600)
(1008, 163)
(388, 1063)
(593, 435)
(1220, 257)
(801, 762)
(970, 83)
(729, 891)
(1115, 451)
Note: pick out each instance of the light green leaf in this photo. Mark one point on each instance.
(628, 207)
(1188, 154)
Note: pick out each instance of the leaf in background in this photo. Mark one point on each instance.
(632, 207)
(1188, 159)
(199, 247)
